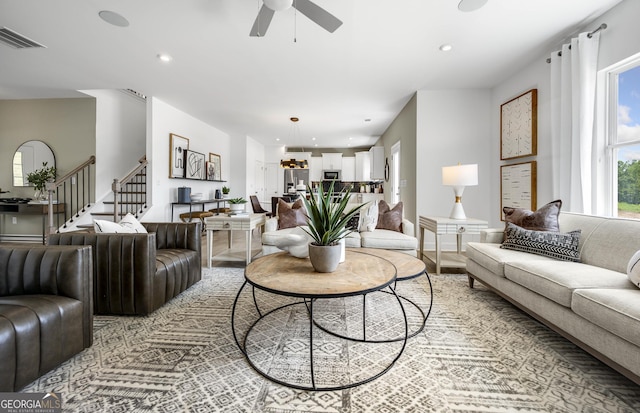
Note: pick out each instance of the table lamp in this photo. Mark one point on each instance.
(458, 177)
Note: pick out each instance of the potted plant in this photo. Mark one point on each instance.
(237, 204)
(327, 222)
(225, 191)
(39, 179)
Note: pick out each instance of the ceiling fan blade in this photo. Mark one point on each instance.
(263, 20)
(320, 16)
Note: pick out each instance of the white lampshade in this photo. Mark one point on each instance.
(460, 175)
(278, 5)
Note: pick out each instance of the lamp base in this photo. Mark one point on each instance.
(458, 211)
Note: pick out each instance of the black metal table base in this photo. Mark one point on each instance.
(308, 303)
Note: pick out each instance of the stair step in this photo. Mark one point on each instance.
(124, 203)
(108, 214)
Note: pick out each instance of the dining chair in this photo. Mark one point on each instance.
(257, 208)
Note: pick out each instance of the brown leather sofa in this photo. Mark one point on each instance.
(45, 310)
(135, 274)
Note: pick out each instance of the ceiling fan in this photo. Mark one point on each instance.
(314, 12)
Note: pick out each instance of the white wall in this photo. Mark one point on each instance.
(120, 136)
(453, 126)
(617, 42)
(255, 152)
(163, 120)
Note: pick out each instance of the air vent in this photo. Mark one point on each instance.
(16, 40)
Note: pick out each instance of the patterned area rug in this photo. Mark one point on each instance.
(476, 354)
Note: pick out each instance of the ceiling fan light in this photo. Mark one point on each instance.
(278, 5)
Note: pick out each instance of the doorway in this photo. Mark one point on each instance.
(395, 173)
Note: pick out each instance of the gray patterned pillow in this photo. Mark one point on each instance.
(561, 246)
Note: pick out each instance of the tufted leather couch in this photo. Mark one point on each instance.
(45, 310)
(135, 274)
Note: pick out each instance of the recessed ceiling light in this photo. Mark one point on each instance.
(315, 144)
(278, 139)
(113, 18)
(313, 139)
(445, 48)
(165, 58)
(471, 5)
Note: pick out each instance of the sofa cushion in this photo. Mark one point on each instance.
(391, 240)
(291, 215)
(556, 280)
(615, 310)
(389, 218)
(493, 258)
(549, 244)
(633, 269)
(543, 219)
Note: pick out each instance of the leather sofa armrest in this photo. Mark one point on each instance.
(60, 270)
(177, 235)
(408, 228)
(124, 266)
(271, 225)
(492, 235)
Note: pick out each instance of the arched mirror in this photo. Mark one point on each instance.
(28, 158)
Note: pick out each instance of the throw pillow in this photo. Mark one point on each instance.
(291, 215)
(354, 222)
(130, 221)
(561, 246)
(389, 218)
(368, 217)
(633, 269)
(543, 219)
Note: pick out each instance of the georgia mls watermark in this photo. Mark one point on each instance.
(30, 403)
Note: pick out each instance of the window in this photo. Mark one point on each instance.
(624, 138)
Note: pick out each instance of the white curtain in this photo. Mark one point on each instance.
(573, 93)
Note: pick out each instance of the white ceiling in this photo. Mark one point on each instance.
(368, 69)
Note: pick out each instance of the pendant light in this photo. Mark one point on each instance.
(294, 163)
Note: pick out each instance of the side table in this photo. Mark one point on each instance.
(442, 225)
(228, 223)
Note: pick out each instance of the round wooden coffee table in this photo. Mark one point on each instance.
(285, 275)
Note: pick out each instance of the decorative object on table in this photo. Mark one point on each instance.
(518, 186)
(194, 167)
(39, 179)
(519, 126)
(178, 144)
(196, 197)
(214, 167)
(327, 225)
(225, 191)
(184, 194)
(459, 176)
(218, 194)
(237, 204)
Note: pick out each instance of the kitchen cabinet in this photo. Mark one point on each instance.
(315, 169)
(332, 161)
(348, 169)
(377, 162)
(363, 167)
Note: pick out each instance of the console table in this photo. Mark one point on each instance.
(442, 225)
(23, 208)
(201, 203)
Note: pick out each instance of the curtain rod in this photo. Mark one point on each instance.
(589, 35)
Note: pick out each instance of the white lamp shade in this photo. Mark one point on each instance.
(460, 175)
(278, 5)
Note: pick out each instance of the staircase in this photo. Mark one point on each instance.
(129, 195)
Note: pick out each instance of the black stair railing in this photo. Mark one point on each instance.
(73, 191)
(130, 193)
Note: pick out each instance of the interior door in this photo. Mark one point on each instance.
(259, 180)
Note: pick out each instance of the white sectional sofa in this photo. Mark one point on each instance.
(592, 303)
(404, 241)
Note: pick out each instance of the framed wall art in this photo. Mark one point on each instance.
(518, 126)
(194, 165)
(214, 168)
(518, 186)
(177, 146)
